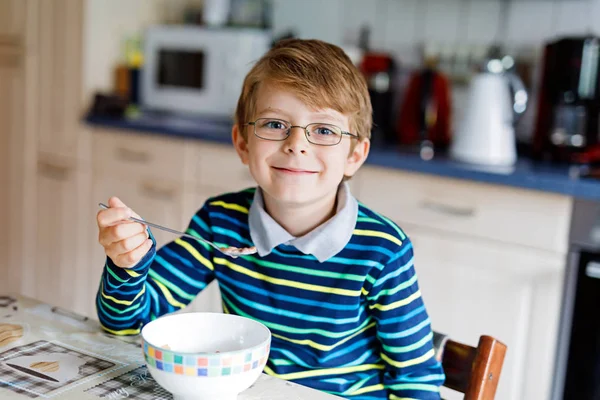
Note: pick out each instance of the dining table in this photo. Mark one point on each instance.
(49, 352)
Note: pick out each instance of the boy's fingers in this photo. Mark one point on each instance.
(116, 202)
(128, 244)
(113, 216)
(121, 231)
(131, 258)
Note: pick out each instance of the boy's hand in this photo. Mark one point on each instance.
(125, 242)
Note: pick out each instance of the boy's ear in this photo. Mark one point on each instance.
(357, 157)
(240, 144)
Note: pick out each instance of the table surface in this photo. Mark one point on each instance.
(94, 364)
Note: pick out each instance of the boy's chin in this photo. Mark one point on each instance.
(297, 194)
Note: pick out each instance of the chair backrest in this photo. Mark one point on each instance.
(474, 371)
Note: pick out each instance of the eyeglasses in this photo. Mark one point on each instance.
(317, 133)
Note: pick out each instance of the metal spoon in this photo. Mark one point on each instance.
(233, 252)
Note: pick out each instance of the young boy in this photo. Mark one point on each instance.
(333, 280)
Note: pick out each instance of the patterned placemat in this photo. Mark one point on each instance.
(25, 384)
(136, 384)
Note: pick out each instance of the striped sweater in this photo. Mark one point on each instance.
(354, 326)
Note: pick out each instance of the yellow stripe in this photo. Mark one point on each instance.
(364, 291)
(414, 361)
(124, 302)
(230, 206)
(383, 235)
(285, 282)
(132, 273)
(398, 303)
(168, 295)
(319, 346)
(367, 389)
(195, 253)
(325, 371)
(121, 333)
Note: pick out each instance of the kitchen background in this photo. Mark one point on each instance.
(504, 246)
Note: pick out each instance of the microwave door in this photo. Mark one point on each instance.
(184, 69)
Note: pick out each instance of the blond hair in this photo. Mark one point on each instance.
(319, 73)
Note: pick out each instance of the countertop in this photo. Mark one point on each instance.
(91, 364)
(526, 174)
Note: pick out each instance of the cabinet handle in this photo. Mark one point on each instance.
(53, 171)
(447, 209)
(157, 192)
(129, 155)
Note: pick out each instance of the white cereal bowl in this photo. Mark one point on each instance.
(205, 356)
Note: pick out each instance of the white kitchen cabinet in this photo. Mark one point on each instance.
(62, 246)
(490, 260)
(60, 53)
(473, 287)
(13, 18)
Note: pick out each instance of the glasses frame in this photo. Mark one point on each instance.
(304, 128)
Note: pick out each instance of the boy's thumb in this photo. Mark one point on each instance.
(115, 202)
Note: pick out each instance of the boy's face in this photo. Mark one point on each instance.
(295, 171)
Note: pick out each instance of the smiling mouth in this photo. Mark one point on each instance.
(295, 171)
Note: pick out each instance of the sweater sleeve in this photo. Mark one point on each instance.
(162, 282)
(404, 330)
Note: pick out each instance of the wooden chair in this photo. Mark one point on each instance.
(474, 371)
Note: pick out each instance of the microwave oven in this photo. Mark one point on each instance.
(199, 70)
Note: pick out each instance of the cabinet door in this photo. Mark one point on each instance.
(12, 21)
(476, 287)
(62, 246)
(12, 114)
(60, 80)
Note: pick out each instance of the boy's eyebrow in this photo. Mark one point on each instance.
(323, 116)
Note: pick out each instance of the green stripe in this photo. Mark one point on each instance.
(124, 311)
(406, 349)
(279, 361)
(283, 328)
(171, 286)
(368, 219)
(357, 385)
(403, 285)
(306, 271)
(194, 233)
(390, 223)
(415, 386)
(110, 271)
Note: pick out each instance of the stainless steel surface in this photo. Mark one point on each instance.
(233, 252)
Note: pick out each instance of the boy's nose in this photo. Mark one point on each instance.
(296, 141)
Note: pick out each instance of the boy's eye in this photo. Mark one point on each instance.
(278, 125)
(323, 130)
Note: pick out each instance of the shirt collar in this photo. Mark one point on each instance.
(323, 242)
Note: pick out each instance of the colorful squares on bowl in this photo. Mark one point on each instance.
(248, 357)
(237, 369)
(151, 361)
(167, 367)
(203, 362)
(247, 367)
(167, 357)
(254, 364)
(159, 365)
(202, 371)
(158, 354)
(238, 359)
(178, 359)
(214, 362)
(190, 371)
(151, 351)
(226, 371)
(226, 361)
(191, 361)
(179, 369)
(214, 371)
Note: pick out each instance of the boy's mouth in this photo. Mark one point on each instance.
(294, 171)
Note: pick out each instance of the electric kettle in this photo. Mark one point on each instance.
(496, 99)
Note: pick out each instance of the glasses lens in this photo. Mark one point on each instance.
(324, 134)
(271, 129)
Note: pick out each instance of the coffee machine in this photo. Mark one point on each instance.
(567, 124)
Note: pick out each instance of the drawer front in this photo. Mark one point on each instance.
(505, 214)
(137, 155)
(216, 166)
